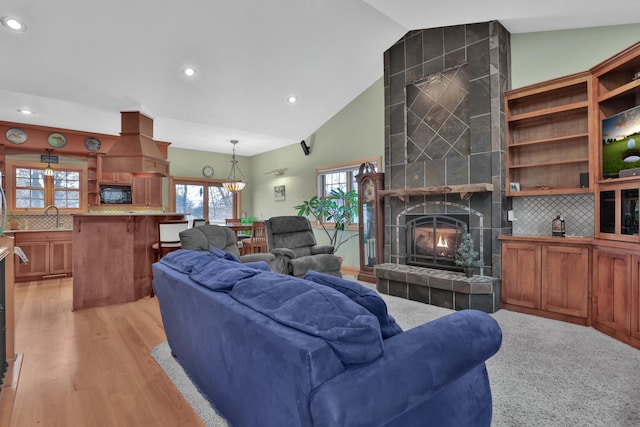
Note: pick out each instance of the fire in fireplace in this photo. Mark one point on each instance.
(432, 240)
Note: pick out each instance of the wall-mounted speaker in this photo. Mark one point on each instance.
(584, 180)
(305, 148)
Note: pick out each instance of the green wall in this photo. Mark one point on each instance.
(357, 131)
(536, 57)
(189, 164)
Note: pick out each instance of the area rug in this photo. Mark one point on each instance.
(547, 373)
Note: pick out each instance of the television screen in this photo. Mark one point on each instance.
(621, 142)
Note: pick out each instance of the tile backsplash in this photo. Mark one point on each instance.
(533, 215)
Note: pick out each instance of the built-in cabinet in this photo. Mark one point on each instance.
(555, 135)
(616, 292)
(547, 276)
(50, 254)
(548, 137)
(147, 191)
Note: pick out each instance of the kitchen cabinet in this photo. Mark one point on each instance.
(147, 191)
(50, 255)
(547, 276)
(119, 178)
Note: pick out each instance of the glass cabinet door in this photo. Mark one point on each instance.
(608, 212)
(629, 212)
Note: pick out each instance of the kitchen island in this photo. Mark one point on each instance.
(112, 256)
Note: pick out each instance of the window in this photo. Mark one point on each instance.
(205, 199)
(339, 176)
(33, 190)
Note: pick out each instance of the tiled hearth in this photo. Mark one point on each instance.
(444, 126)
(439, 287)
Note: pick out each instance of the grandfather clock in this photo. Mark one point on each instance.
(370, 222)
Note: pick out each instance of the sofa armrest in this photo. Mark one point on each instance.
(415, 366)
(322, 249)
(286, 252)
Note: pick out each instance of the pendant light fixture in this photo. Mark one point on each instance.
(233, 184)
(48, 171)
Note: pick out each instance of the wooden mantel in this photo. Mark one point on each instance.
(465, 190)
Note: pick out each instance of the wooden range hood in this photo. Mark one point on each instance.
(135, 151)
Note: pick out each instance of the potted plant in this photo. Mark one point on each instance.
(466, 255)
(13, 222)
(340, 208)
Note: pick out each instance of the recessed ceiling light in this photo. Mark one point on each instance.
(292, 99)
(13, 23)
(25, 111)
(189, 71)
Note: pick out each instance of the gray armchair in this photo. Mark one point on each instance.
(204, 237)
(291, 240)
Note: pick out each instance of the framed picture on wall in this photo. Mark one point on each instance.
(278, 193)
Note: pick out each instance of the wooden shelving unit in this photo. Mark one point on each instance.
(93, 186)
(548, 136)
(615, 91)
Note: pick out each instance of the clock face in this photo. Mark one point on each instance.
(369, 191)
(207, 171)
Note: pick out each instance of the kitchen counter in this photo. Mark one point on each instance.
(112, 256)
(37, 230)
(130, 214)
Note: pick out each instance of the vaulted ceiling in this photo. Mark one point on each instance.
(82, 62)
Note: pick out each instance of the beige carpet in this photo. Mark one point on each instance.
(546, 374)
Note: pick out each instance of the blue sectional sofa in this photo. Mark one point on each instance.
(273, 350)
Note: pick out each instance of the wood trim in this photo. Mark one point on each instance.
(465, 190)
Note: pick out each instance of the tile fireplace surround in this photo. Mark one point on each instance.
(444, 126)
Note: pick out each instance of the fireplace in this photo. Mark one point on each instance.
(432, 240)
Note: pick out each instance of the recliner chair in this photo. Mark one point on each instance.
(204, 237)
(291, 240)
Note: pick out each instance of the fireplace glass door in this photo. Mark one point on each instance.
(433, 240)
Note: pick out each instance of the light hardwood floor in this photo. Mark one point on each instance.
(91, 367)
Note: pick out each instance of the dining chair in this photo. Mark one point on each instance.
(240, 237)
(199, 221)
(257, 243)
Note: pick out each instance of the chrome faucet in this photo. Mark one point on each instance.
(46, 213)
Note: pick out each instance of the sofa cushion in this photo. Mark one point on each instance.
(183, 260)
(352, 332)
(220, 274)
(368, 298)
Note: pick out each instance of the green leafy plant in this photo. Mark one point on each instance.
(334, 213)
(466, 255)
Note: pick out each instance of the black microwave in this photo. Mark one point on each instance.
(115, 195)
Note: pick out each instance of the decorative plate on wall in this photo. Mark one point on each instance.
(92, 143)
(57, 140)
(16, 136)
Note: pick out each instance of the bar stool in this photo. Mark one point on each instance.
(168, 238)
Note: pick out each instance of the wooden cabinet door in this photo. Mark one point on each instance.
(565, 280)
(612, 289)
(38, 255)
(635, 297)
(147, 191)
(154, 192)
(116, 178)
(61, 257)
(521, 274)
